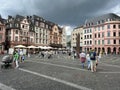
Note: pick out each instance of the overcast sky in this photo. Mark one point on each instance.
(70, 13)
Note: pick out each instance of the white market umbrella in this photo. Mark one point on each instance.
(40, 46)
(20, 46)
(49, 47)
(32, 46)
(43, 47)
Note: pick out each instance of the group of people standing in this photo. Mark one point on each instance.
(92, 59)
(18, 56)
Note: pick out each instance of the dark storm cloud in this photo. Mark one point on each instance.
(69, 12)
(73, 12)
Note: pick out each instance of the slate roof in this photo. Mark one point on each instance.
(111, 16)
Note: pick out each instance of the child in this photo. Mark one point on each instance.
(23, 57)
(88, 60)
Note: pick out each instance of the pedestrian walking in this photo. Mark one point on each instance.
(16, 57)
(99, 56)
(93, 60)
(88, 60)
(69, 55)
(20, 55)
(23, 57)
(82, 58)
(75, 55)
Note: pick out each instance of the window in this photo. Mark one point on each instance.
(25, 33)
(10, 25)
(102, 27)
(90, 42)
(31, 40)
(102, 34)
(9, 31)
(95, 28)
(90, 30)
(0, 29)
(114, 34)
(85, 36)
(95, 42)
(20, 32)
(114, 26)
(0, 37)
(102, 21)
(98, 22)
(90, 36)
(85, 31)
(119, 33)
(98, 35)
(119, 41)
(20, 39)
(102, 42)
(85, 42)
(36, 23)
(16, 38)
(98, 42)
(95, 35)
(114, 41)
(16, 31)
(98, 28)
(108, 41)
(108, 26)
(31, 34)
(46, 26)
(9, 38)
(16, 25)
(108, 34)
(119, 26)
(23, 26)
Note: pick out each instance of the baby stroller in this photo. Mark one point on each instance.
(7, 61)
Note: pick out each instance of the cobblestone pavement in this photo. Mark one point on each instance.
(61, 73)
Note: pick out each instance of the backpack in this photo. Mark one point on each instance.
(92, 55)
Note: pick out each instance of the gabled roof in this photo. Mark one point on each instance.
(103, 17)
(19, 18)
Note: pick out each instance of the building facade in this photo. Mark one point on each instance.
(102, 34)
(74, 35)
(41, 30)
(18, 32)
(2, 33)
(32, 30)
(64, 42)
(55, 36)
